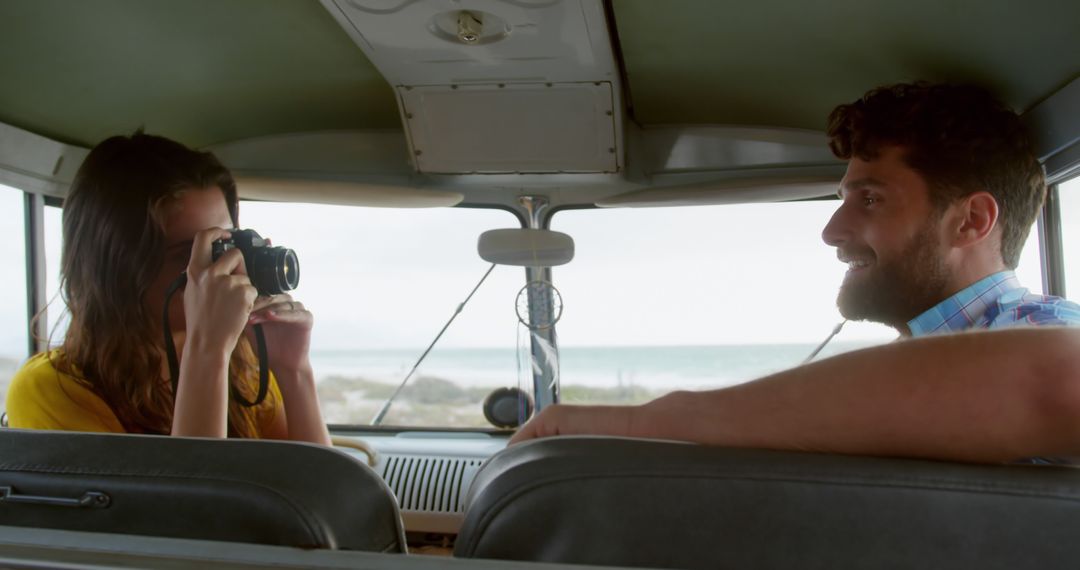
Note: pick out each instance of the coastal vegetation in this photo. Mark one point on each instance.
(433, 401)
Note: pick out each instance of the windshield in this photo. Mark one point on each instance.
(381, 284)
(656, 299)
(661, 299)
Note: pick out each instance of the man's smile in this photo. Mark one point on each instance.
(855, 263)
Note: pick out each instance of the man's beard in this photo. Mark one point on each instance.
(896, 291)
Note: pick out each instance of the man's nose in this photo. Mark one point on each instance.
(838, 230)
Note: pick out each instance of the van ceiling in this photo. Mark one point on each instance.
(200, 71)
(788, 63)
(211, 71)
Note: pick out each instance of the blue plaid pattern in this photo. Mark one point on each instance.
(996, 301)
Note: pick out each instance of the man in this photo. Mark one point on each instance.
(941, 190)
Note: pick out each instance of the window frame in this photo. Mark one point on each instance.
(36, 301)
(1051, 246)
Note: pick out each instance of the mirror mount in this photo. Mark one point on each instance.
(535, 207)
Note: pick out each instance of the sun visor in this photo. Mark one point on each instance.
(736, 191)
(346, 193)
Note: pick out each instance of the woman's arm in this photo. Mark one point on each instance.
(986, 396)
(202, 396)
(287, 326)
(217, 301)
(302, 413)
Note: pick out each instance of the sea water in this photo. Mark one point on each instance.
(654, 367)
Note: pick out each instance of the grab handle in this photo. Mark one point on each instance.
(90, 499)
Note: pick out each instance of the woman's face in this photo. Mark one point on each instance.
(188, 213)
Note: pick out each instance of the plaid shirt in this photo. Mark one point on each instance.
(994, 302)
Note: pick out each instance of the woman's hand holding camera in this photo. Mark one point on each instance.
(219, 304)
(287, 327)
(218, 297)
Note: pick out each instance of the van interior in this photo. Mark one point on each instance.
(647, 163)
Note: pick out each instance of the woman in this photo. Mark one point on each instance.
(142, 210)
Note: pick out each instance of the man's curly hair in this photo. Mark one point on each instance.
(960, 139)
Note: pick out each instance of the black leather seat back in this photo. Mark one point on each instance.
(659, 504)
(261, 492)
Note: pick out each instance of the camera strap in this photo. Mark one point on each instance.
(174, 362)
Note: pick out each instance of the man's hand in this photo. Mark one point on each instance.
(579, 420)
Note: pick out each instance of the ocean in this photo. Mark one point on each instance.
(654, 367)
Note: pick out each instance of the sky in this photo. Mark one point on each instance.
(383, 278)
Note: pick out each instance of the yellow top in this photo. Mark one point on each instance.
(41, 397)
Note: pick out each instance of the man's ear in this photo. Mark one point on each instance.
(976, 216)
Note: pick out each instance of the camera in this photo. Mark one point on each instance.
(272, 270)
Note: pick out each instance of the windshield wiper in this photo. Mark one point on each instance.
(386, 407)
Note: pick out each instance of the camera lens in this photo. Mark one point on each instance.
(274, 270)
(290, 270)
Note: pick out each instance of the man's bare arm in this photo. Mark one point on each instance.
(987, 396)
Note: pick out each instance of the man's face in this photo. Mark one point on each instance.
(889, 234)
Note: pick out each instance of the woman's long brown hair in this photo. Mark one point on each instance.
(114, 248)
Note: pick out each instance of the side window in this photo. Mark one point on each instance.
(13, 325)
(57, 309)
(1070, 234)
(1029, 270)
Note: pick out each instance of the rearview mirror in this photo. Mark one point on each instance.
(527, 248)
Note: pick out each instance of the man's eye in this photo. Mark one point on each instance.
(869, 200)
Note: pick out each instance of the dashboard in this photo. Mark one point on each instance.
(429, 472)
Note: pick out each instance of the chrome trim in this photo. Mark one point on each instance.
(545, 372)
(1051, 248)
(36, 302)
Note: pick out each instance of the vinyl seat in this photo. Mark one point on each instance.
(264, 492)
(661, 504)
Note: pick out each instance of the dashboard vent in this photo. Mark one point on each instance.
(430, 484)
